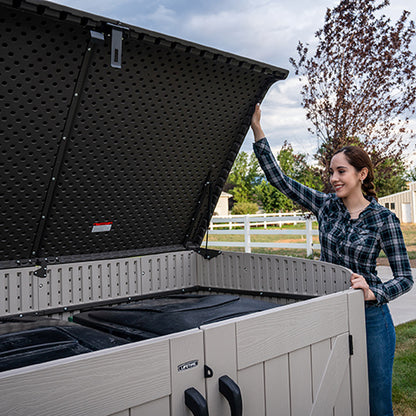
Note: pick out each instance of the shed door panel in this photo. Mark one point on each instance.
(299, 364)
(100, 383)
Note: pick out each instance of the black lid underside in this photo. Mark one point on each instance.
(115, 140)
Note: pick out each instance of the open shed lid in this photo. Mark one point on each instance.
(115, 140)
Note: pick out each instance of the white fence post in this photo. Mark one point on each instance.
(247, 234)
(309, 240)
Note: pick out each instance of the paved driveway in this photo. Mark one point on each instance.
(403, 309)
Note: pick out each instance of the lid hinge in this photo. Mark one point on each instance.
(208, 253)
(42, 271)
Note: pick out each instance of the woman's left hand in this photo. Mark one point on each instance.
(358, 282)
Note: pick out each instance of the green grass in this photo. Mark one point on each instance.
(404, 370)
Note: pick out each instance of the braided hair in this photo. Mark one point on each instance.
(359, 158)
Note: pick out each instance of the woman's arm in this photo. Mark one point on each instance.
(256, 125)
(307, 197)
(392, 243)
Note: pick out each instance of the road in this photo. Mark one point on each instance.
(403, 309)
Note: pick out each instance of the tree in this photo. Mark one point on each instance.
(360, 83)
(243, 178)
(273, 200)
(296, 166)
(390, 176)
(410, 175)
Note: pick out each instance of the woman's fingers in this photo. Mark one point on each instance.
(359, 282)
(255, 119)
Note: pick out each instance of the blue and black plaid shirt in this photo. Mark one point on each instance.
(355, 244)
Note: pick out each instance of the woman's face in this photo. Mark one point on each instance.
(344, 178)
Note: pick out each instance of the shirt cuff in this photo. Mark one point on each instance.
(261, 146)
(379, 294)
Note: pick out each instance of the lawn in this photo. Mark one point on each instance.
(404, 370)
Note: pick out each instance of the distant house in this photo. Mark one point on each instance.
(403, 204)
(221, 209)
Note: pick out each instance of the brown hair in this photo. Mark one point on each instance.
(359, 158)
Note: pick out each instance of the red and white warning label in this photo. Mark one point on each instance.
(101, 227)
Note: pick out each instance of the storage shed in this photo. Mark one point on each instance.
(222, 209)
(403, 204)
(112, 168)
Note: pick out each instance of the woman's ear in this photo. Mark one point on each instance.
(363, 173)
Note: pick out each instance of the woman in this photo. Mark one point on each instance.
(353, 228)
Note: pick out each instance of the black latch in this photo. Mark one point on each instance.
(208, 373)
(351, 344)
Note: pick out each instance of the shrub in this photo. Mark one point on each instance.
(243, 208)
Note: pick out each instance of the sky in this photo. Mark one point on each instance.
(264, 30)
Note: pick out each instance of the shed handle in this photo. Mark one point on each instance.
(196, 402)
(230, 390)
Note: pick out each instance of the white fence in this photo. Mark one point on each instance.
(247, 221)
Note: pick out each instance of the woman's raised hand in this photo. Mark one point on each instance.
(256, 125)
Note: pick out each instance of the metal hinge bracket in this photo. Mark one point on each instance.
(116, 44)
(208, 253)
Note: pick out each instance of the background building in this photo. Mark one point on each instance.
(222, 206)
(403, 204)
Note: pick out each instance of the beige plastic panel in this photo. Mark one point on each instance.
(271, 333)
(293, 356)
(358, 361)
(277, 385)
(269, 273)
(95, 384)
(153, 408)
(294, 359)
(82, 283)
(187, 347)
(169, 271)
(221, 356)
(69, 285)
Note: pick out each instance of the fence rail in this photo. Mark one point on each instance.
(247, 221)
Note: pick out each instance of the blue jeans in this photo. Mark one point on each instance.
(381, 343)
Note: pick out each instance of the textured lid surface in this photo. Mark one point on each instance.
(114, 140)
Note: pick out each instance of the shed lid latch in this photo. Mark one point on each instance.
(116, 44)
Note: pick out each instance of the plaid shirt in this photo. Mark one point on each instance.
(355, 244)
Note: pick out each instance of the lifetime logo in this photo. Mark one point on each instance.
(188, 365)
